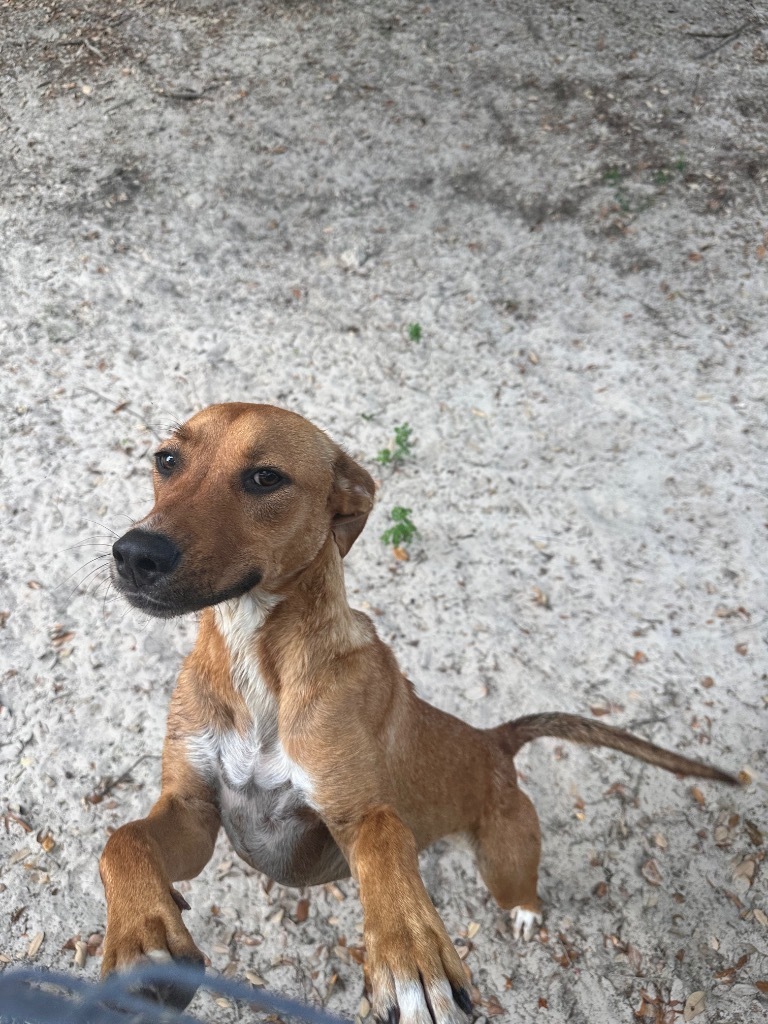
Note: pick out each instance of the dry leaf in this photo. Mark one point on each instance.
(727, 974)
(255, 979)
(746, 869)
(81, 953)
(722, 835)
(363, 1008)
(742, 649)
(651, 873)
(639, 658)
(302, 911)
(761, 917)
(46, 841)
(694, 1005)
(35, 944)
(400, 554)
(472, 929)
(754, 833)
(698, 796)
(762, 986)
(493, 1007)
(707, 682)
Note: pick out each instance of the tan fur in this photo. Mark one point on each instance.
(376, 774)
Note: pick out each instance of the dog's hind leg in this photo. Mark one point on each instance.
(508, 844)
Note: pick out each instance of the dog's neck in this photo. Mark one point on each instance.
(293, 636)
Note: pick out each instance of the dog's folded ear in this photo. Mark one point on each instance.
(351, 501)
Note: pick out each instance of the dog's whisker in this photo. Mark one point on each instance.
(96, 558)
(89, 543)
(124, 515)
(102, 526)
(82, 585)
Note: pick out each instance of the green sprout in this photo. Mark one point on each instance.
(414, 332)
(403, 531)
(401, 449)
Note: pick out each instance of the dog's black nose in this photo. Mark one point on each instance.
(142, 557)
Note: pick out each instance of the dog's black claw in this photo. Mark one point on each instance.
(179, 900)
(463, 999)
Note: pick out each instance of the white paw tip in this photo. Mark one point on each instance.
(525, 923)
(160, 956)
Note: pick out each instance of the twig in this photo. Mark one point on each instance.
(724, 42)
(8, 815)
(99, 793)
(122, 407)
(187, 94)
(95, 49)
(83, 42)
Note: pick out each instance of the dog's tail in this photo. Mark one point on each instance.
(513, 735)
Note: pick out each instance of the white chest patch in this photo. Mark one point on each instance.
(255, 759)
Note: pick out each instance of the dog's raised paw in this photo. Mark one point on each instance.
(525, 922)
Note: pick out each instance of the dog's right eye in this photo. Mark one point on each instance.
(166, 462)
(263, 481)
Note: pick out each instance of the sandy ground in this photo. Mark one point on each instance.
(205, 201)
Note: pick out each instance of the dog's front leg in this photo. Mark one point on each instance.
(140, 862)
(416, 974)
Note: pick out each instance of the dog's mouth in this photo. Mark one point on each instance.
(167, 601)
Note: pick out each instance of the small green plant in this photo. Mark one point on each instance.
(664, 176)
(612, 176)
(414, 332)
(401, 449)
(403, 531)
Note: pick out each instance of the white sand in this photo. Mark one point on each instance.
(570, 199)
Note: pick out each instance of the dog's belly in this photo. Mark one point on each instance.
(277, 832)
(264, 800)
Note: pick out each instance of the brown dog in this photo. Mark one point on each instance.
(292, 725)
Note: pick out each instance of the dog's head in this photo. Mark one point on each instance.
(245, 496)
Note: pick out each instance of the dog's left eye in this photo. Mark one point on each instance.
(263, 480)
(166, 462)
